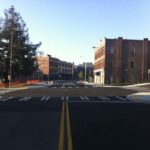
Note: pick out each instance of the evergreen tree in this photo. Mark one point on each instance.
(15, 44)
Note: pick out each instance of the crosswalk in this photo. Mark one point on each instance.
(67, 98)
(3, 99)
(70, 87)
(103, 98)
(24, 98)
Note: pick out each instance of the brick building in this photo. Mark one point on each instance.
(43, 66)
(52, 68)
(65, 70)
(122, 61)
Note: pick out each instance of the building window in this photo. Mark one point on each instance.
(132, 51)
(111, 79)
(111, 50)
(132, 64)
(111, 63)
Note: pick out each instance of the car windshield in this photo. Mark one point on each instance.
(74, 75)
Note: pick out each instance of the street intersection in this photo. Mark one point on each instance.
(58, 117)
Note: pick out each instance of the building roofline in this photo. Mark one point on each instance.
(126, 39)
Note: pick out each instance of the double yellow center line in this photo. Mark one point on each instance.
(65, 113)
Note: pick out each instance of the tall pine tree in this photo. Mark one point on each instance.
(15, 44)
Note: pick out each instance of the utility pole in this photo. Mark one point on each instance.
(126, 76)
(10, 69)
(143, 50)
(85, 72)
(48, 68)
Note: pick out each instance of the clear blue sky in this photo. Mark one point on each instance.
(69, 29)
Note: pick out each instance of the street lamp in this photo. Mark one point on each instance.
(85, 71)
(10, 69)
(48, 67)
(126, 75)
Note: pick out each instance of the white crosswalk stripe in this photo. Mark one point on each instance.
(27, 98)
(105, 98)
(45, 98)
(2, 98)
(42, 98)
(24, 98)
(62, 98)
(121, 98)
(86, 98)
(82, 98)
(67, 98)
(100, 97)
(5, 99)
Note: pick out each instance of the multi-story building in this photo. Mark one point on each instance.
(53, 68)
(65, 70)
(43, 66)
(122, 61)
(99, 63)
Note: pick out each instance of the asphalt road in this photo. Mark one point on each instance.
(68, 90)
(110, 126)
(101, 122)
(64, 118)
(29, 125)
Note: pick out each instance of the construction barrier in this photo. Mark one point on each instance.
(32, 81)
(19, 83)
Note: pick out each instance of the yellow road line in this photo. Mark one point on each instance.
(61, 137)
(69, 136)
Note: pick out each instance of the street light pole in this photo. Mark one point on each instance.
(126, 75)
(10, 69)
(85, 72)
(48, 67)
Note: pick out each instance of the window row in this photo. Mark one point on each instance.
(99, 65)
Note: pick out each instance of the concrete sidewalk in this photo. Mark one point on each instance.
(143, 87)
(8, 90)
(124, 86)
(140, 97)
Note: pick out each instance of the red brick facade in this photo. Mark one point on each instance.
(124, 60)
(53, 68)
(43, 64)
(100, 62)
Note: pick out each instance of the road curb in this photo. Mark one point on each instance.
(142, 97)
(8, 90)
